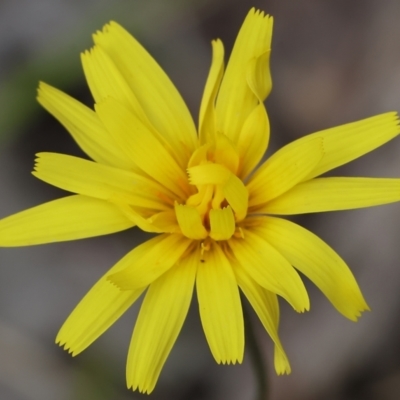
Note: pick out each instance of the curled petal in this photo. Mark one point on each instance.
(236, 100)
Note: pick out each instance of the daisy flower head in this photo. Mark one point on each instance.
(217, 216)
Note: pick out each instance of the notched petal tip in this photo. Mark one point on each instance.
(230, 361)
(358, 314)
(119, 280)
(66, 346)
(106, 29)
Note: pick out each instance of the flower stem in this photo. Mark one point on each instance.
(256, 357)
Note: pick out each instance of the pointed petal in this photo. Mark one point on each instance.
(141, 144)
(332, 194)
(283, 170)
(220, 307)
(222, 223)
(96, 180)
(253, 140)
(155, 92)
(69, 218)
(236, 100)
(265, 304)
(84, 126)
(190, 222)
(160, 320)
(270, 269)
(95, 313)
(207, 108)
(319, 262)
(345, 143)
(144, 264)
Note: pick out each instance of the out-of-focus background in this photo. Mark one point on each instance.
(333, 61)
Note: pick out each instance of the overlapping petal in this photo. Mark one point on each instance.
(236, 100)
(284, 170)
(265, 304)
(155, 92)
(145, 263)
(345, 143)
(139, 142)
(270, 269)
(84, 126)
(95, 313)
(105, 80)
(100, 181)
(253, 140)
(68, 218)
(159, 322)
(320, 263)
(190, 222)
(220, 308)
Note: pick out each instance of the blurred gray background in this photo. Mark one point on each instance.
(333, 61)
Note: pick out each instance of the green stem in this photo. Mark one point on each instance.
(256, 357)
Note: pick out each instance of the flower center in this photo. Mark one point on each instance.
(221, 199)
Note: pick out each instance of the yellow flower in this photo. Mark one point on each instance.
(215, 217)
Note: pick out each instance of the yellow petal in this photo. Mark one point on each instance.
(220, 308)
(190, 222)
(208, 174)
(160, 320)
(144, 264)
(236, 100)
(265, 304)
(270, 269)
(84, 126)
(225, 153)
(332, 194)
(284, 169)
(253, 140)
(237, 196)
(161, 222)
(155, 92)
(319, 262)
(222, 224)
(95, 313)
(259, 75)
(207, 111)
(105, 80)
(138, 141)
(345, 143)
(96, 180)
(69, 218)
